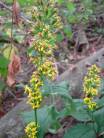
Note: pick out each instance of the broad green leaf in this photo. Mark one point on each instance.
(80, 113)
(80, 131)
(48, 119)
(55, 115)
(77, 110)
(100, 102)
(44, 119)
(99, 119)
(59, 89)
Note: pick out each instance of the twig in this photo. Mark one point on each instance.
(22, 16)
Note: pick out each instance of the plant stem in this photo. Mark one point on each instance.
(92, 117)
(93, 122)
(11, 32)
(35, 116)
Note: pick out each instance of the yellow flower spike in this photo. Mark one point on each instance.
(34, 99)
(91, 86)
(35, 80)
(31, 130)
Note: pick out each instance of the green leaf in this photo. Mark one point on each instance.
(55, 115)
(3, 72)
(3, 66)
(81, 131)
(99, 119)
(60, 37)
(68, 31)
(71, 7)
(44, 119)
(3, 62)
(8, 51)
(80, 113)
(60, 1)
(102, 86)
(59, 89)
(77, 110)
(2, 85)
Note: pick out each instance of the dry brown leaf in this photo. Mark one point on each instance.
(13, 69)
(16, 12)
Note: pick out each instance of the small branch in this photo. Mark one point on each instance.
(22, 16)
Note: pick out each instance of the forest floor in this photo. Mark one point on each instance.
(67, 55)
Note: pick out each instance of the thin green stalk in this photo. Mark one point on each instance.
(35, 116)
(11, 32)
(92, 117)
(93, 121)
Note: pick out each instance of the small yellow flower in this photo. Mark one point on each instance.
(48, 69)
(87, 100)
(42, 47)
(34, 99)
(94, 91)
(28, 89)
(92, 105)
(31, 130)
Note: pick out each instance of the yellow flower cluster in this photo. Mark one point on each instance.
(45, 32)
(34, 93)
(35, 81)
(91, 86)
(42, 47)
(57, 21)
(31, 130)
(49, 10)
(48, 70)
(91, 104)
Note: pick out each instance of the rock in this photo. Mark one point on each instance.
(75, 76)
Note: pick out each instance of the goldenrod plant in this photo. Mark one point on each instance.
(41, 55)
(46, 118)
(91, 86)
(90, 109)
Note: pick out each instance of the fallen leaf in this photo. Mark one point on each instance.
(13, 69)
